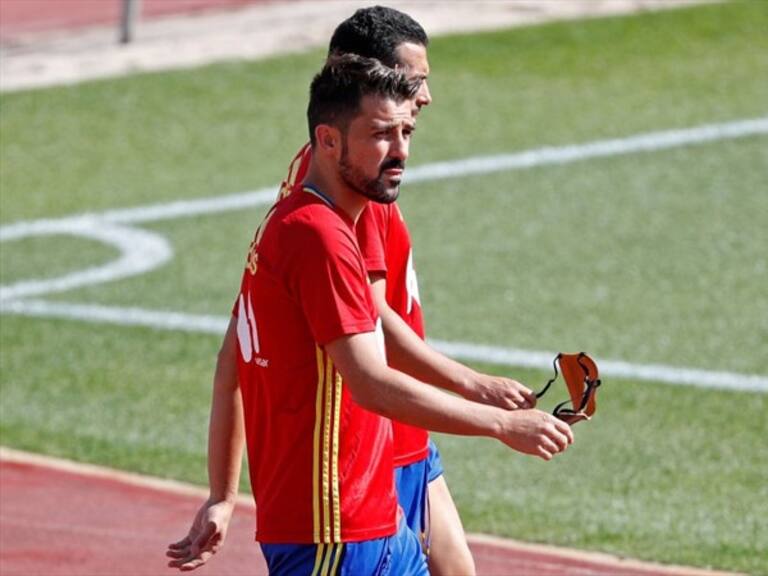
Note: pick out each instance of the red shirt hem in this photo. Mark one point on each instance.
(411, 457)
(346, 535)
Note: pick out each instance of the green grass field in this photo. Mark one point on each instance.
(651, 258)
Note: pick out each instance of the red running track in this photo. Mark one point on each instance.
(61, 519)
(18, 17)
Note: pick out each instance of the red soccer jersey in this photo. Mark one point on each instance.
(320, 465)
(386, 247)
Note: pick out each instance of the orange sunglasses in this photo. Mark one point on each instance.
(581, 377)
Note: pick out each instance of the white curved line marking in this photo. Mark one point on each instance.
(140, 252)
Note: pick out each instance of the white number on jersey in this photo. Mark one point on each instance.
(411, 284)
(247, 334)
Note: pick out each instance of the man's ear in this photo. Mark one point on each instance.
(328, 140)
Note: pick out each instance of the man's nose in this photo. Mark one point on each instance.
(423, 96)
(400, 147)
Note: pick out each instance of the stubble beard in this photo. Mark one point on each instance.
(374, 189)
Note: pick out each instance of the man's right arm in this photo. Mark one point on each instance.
(395, 395)
(226, 441)
(226, 432)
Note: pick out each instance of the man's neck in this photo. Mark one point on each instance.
(330, 185)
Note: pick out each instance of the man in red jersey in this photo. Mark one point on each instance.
(399, 41)
(302, 376)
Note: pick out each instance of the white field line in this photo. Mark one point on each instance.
(142, 251)
(610, 368)
(184, 208)
(648, 142)
(208, 324)
(122, 316)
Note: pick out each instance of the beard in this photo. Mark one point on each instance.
(376, 189)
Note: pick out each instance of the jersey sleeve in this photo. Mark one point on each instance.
(332, 285)
(371, 235)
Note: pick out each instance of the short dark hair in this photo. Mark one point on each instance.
(338, 89)
(376, 32)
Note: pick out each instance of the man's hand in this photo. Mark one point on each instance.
(535, 432)
(205, 537)
(501, 392)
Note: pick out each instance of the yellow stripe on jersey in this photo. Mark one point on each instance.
(335, 464)
(316, 445)
(326, 493)
(327, 422)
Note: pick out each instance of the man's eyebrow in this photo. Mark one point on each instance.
(388, 124)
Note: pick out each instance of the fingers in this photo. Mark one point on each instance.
(183, 543)
(518, 395)
(554, 437)
(515, 400)
(536, 433)
(203, 541)
(191, 562)
(548, 448)
(564, 429)
(179, 549)
(544, 454)
(178, 562)
(560, 441)
(190, 559)
(177, 553)
(529, 397)
(196, 562)
(189, 554)
(551, 443)
(559, 434)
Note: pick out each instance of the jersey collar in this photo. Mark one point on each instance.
(316, 192)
